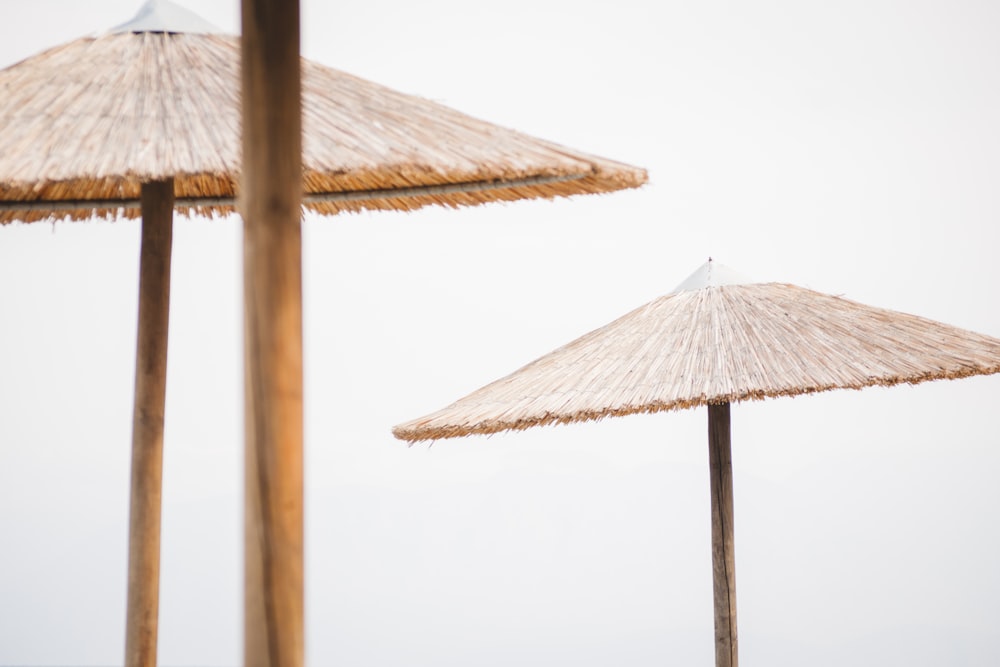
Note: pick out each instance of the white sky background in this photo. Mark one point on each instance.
(852, 147)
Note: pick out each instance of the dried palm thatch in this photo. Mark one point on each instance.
(721, 343)
(85, 123)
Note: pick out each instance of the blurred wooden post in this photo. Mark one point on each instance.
(720, 463)
(270, 198)
(147, 424)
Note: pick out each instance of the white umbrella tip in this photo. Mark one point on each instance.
(165, 16)
(712, 274)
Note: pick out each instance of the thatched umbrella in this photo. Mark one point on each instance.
(147, 118)
(715, 340)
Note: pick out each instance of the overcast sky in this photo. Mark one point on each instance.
(851, 147)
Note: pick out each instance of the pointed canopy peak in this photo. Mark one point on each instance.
(166, 16)
(712, 274)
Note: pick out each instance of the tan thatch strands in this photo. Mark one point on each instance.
(716, 345)
(94, 118)
(317, 198)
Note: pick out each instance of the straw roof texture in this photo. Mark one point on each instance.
(94, 118)
(717, 344)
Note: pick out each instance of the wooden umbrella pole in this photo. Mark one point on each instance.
(723, 556)
(147, 424)
(272, 281)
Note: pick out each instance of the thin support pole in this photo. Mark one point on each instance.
(147, 424)
(272, 282)
(720, 462)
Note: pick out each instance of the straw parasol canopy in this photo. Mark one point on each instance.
(716, 339)
(85, 123)
(163, 112)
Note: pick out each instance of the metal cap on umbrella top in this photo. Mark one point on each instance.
(163, 112)
(166, 16)
(717, 338)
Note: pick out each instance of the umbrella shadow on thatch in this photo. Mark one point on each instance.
(716, 339)
(147, 118)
